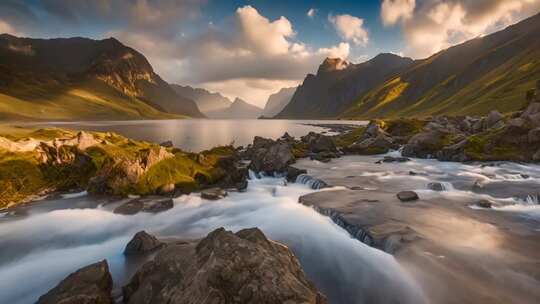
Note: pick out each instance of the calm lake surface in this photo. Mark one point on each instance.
(200, 134)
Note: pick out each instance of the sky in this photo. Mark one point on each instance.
(252, 48)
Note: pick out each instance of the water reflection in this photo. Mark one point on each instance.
(200, 134)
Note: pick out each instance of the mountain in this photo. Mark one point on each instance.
(205, 100)
(475, 77)
(337, 83)
(238, 109)
(80, 78)
(277, 101)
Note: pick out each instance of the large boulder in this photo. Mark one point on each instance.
(426, 144)
(142, 243)
(224, 267)
(455, 152)
(293, 173)
(373, 145)
(271, 157)
(493, 119)
(89, 285)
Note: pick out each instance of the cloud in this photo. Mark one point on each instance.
(236, 57)
(394, 10)
(239, 54)
(311, 13)
(6, 28)
(350, 28)
(433, 25)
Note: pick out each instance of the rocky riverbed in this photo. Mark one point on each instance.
(389, 221)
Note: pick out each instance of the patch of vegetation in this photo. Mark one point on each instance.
(404, 126)
(348, 138)
(300, 149)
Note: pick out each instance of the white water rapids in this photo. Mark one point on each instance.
(43, 247)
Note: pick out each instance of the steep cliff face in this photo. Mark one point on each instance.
(337, 83)
(67, 71)
(277, 101)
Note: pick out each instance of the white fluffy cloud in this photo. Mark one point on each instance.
(251, 56)
(394, 10)
(350, 28)
(311, 13)
(433, 25)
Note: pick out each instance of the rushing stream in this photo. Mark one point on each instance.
(46, 243)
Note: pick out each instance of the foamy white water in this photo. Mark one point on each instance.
(46, 247)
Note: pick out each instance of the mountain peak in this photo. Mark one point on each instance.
(332, 64)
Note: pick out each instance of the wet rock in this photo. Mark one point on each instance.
(407, 196)
(293, 173)
(151, 204)
(436, 186)
(213, 194)
(244, 266)
(425, 144)
(323, 156)
(484, 204)
(142, 243)
(274, 157)
(321, 143)
(455, 152)
(391, 159)
(412, 173)
(167, 144)
(242, 186)
(534, 136)
(287, 137)
(89, 285)
(373, 145)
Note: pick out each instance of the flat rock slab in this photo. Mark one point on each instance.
(151, 204)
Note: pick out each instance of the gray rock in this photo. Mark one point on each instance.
(373, 145)
(273, 158)
(407, 196)
(484, 204)
(151, 204)
(142, 243)
(493, 118)
(435, 186)
(213, 194)
(89, 285)
(293, 172)
(534, 136)
(224, 267)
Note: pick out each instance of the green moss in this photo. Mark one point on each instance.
(300, 149)
(20, 177)
(347, 139)
(404, 126)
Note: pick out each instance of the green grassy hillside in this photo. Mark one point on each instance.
(493, 72)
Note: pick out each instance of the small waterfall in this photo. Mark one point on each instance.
(447, 186)
(532, 200)
(312, 182)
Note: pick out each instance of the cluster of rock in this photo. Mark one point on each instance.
(223, 267)
(513, 137)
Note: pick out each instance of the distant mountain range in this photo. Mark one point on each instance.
(277, 101)
(475, 77)
(238, 109)
(205, 100)
(337, 83)
(80, 78)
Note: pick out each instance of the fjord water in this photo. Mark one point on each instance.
(48, 243)
(200, 134)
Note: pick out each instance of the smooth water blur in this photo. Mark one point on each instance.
(45, 246)
(200, 134)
